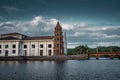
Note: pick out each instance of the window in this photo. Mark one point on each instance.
(0, 51)
(49, 45)
(6, 46)
(57, 51)
(61, 45)
(41, 45)
(57, 45)
(25, 53)
(14, 46)
(41, 52)
(13, 51)
(25, 46)
(0, 46)
(6, 52)
(49, 52)
(33, 46)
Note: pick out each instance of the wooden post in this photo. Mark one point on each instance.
(111, 56)
(97, 50)
(119, 55)
(97, 55)
(111, 50)
(111, 53)
(88, 54)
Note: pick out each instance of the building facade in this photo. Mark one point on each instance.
(16, 44)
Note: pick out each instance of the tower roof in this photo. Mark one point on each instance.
(58, 24)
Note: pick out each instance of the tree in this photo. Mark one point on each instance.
(84, 49)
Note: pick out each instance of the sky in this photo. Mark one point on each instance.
(86, 22)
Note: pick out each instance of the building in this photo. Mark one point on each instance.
(65, 43)
(16, 44)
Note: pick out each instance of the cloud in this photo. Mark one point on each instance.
(36, 20)
(67, 27)
(7, 24)
(35, 26)
(96, 31)
(94, 35)
(77, 34)
(109, 43)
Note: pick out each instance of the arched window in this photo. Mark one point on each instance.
(41, 45)
(49, 45)
(49, 52)
(25, 46)
(57, 51)
(41, 52)
(13, 46)
(57, 45)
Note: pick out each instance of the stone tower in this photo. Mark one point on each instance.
(58, 40)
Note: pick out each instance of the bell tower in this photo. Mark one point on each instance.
(58, 40)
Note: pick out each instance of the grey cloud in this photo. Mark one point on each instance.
(7, 24)
(93, 35)
(35, 27)
(113, 31)
(77, 34)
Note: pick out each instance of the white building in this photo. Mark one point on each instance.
(65, 43)
(16, 44)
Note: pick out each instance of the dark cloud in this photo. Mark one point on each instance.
(94, 35)
(77, 34)
(34, 27)
(91, 22)
(113, 31)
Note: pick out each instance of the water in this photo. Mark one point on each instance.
(103, 69)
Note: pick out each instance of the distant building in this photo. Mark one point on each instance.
(16, 44)
(65, 43)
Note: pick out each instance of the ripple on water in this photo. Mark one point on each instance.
(104, 69)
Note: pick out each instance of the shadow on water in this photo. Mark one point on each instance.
(103, 58)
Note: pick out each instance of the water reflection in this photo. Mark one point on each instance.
(102, 69)
(59, 70)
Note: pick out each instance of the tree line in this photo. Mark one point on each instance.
(84, 49)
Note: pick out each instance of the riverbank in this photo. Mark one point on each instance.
(42, 58)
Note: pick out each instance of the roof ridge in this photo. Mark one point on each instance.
(38, 37)
(9, 38)
(12, 33)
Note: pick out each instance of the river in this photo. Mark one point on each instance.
(102, 69)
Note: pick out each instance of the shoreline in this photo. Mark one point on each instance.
(44, 58)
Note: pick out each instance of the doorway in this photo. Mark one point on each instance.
(25, 52)
(6, 52)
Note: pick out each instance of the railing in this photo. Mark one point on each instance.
(100, 54)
